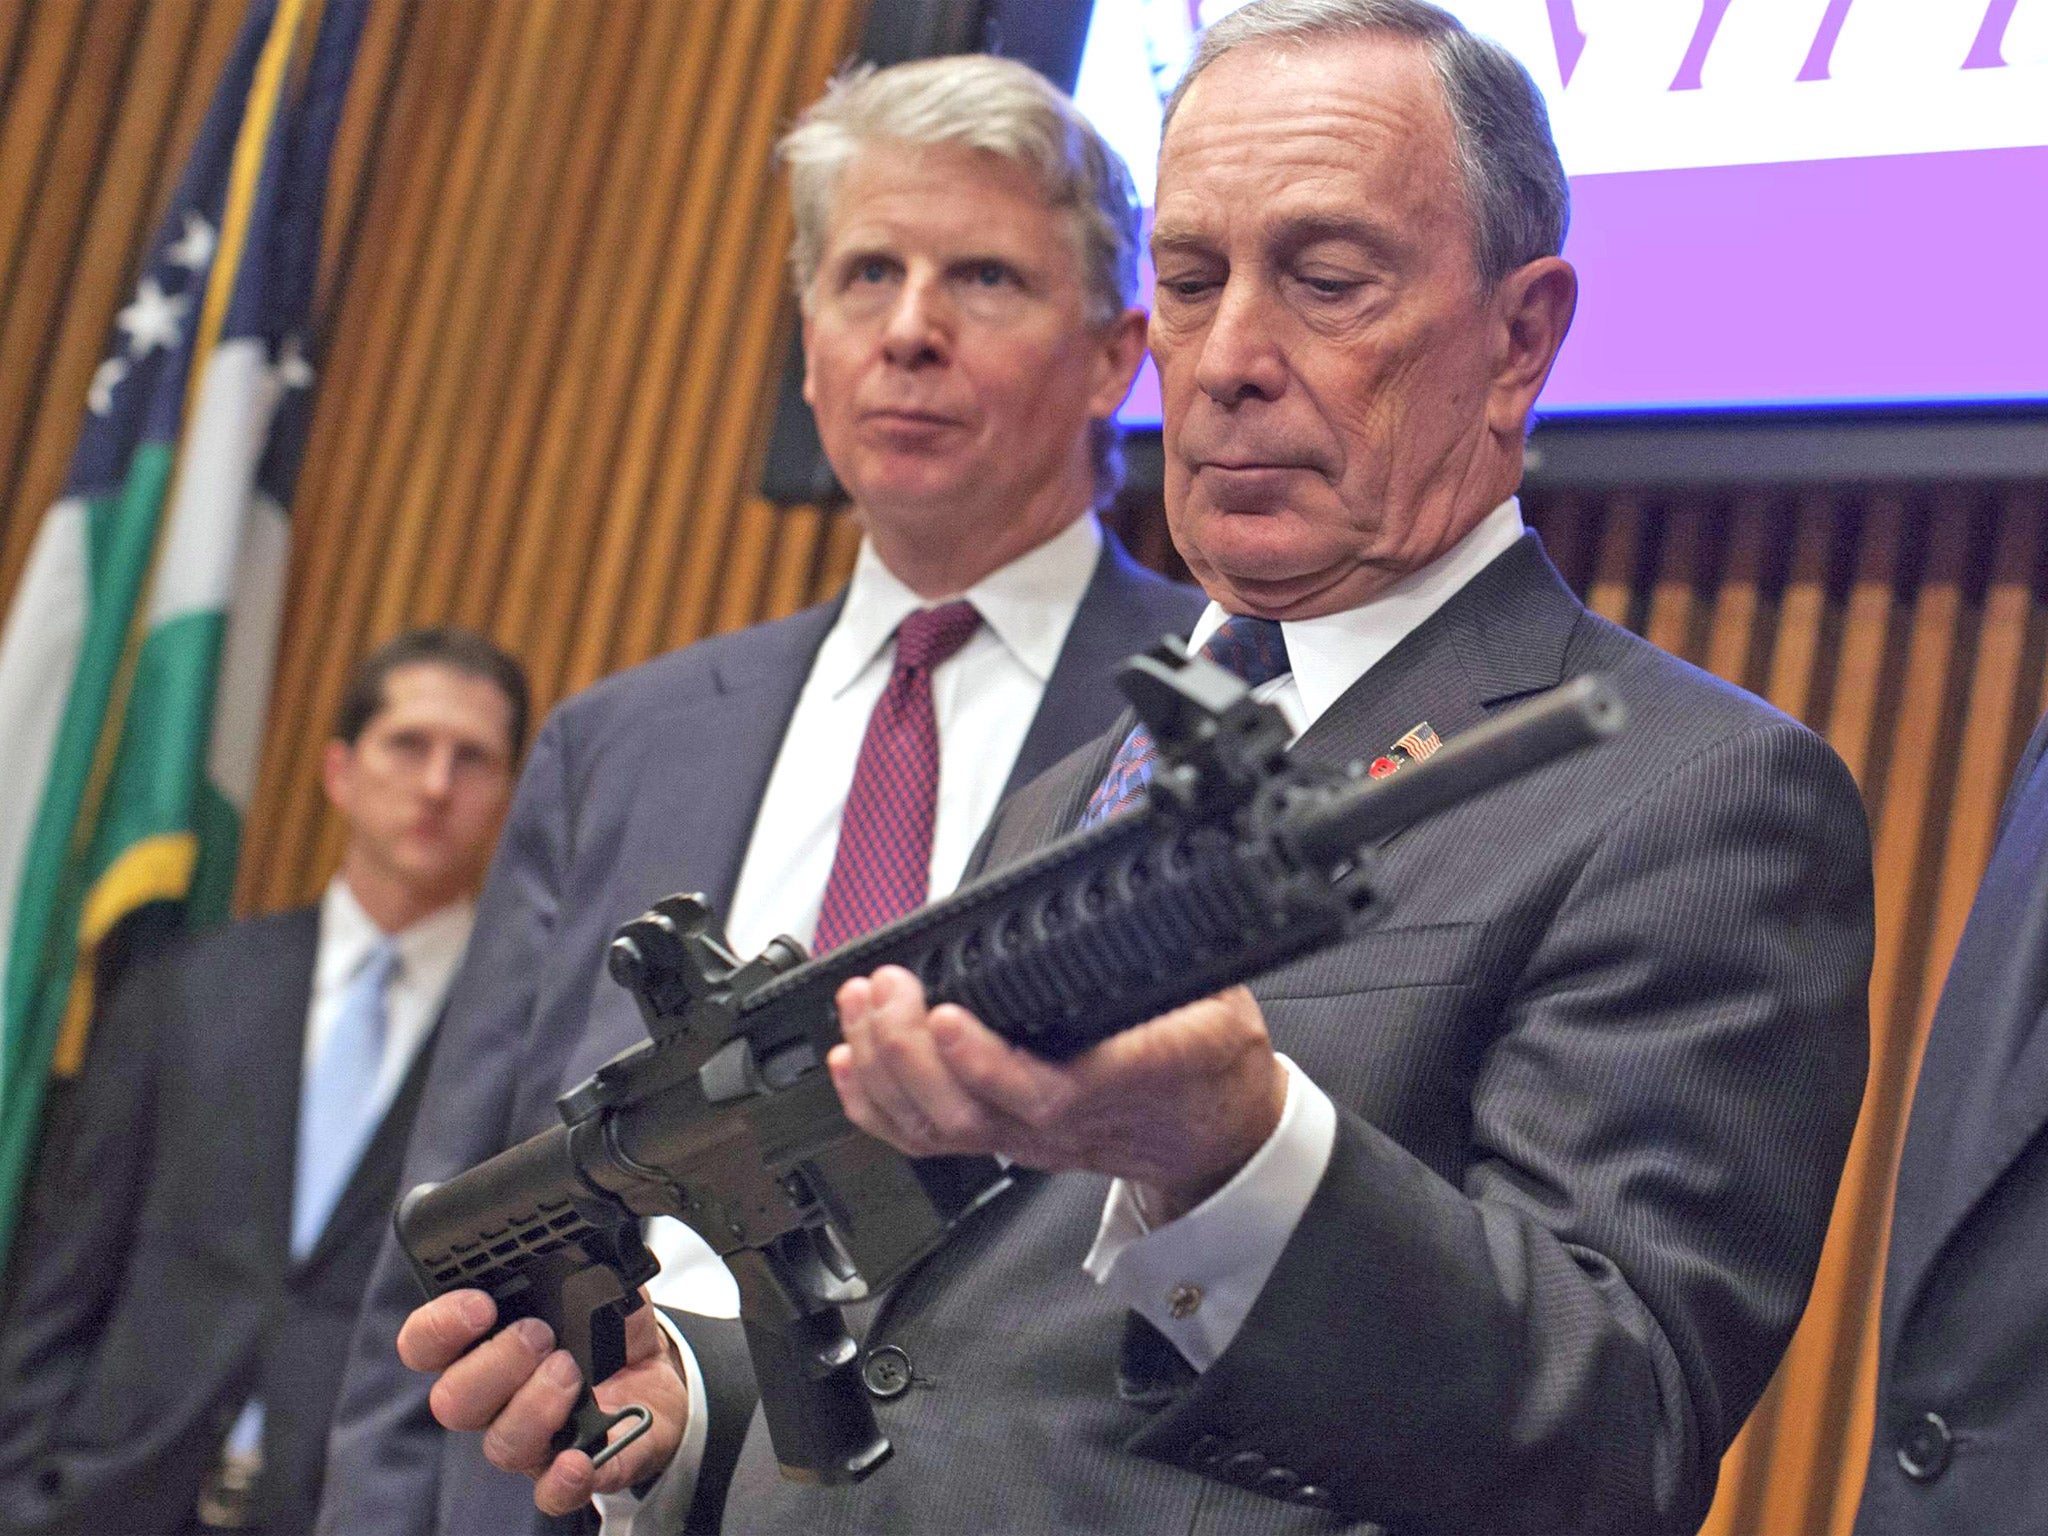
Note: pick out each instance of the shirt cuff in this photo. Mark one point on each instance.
(677, 1486)
(1195, 1279)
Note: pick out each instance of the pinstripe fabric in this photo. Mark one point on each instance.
(1596, 1065)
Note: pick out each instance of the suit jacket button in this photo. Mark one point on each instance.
(886, 1372)
(1244, 1467)
(1925, 1447)
(1314, 1495)
(1280, 1482)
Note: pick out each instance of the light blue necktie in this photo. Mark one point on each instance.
(337, 1099)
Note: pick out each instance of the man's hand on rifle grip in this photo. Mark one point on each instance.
(518, 1389)
(1176, 1105)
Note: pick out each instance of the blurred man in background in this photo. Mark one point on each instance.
(182, 1304)
(965, 258)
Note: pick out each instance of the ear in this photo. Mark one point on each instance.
(804, 327)
(1532, 310)
(337, 774)
(1122, 349)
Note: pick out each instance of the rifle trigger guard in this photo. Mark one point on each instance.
(630, 1411)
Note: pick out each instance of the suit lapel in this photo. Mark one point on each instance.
(1982, 1095)
(744, 724)
(265, 1027)
(720, 749)
(1118, 616)
(1501, 636)
(1422, 679)
(689, 826)
(1063, 810)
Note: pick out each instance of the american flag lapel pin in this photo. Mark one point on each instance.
(1419, 742)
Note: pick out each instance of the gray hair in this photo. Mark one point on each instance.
(986, 103)
(1514, 182)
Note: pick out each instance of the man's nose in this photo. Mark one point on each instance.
(1239, 360)
(919, 327)
(438, 775)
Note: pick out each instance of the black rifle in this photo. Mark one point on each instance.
(1238, 861)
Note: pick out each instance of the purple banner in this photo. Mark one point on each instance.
(1904, 279)
(1912, 279)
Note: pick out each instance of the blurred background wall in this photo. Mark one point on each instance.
(554, 315)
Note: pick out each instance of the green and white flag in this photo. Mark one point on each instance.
(136, 659)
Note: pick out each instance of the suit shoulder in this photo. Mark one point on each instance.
(1669, 699)
(158, 961)
(224, 943)
(1161, 598)
(2036, 749)
(1705, 760)
(681, 677)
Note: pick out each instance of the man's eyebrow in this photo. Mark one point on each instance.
(862, 250)
(1016, 260)
(1310, 228)
(1291, 234)
(1167, 238)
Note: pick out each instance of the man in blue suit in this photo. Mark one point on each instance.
(1962, 1394)
(966, 257)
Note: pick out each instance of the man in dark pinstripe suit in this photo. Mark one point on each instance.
(1511, 1236)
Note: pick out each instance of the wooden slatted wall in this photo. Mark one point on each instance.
(554, 314)
(1908, 625)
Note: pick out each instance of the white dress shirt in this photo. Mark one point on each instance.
(1195, 1279)
(984, 698)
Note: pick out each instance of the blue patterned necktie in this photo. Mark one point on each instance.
(1254, 649)
(337, 1099)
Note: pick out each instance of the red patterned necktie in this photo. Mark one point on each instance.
(882, 866)
(1254, 649)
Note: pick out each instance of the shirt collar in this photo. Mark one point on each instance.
(1332, 652)
(1028, 605)
(428, 951)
